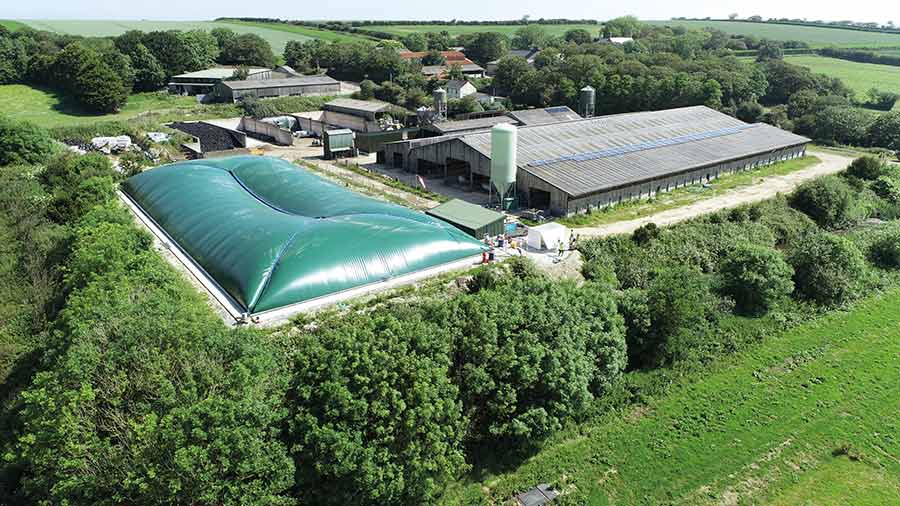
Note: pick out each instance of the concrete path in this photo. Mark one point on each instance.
(766, 189)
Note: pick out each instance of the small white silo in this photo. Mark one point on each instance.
(504, 139)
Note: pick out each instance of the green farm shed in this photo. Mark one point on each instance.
(470, 218)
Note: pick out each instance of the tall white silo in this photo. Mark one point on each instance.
(504, 139)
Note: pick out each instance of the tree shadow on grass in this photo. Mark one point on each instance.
(64, 104)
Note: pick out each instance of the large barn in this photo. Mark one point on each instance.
(572, 166)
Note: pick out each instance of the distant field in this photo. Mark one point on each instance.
(11, 25)
(103, 28)
(459, 29)
(891, 52)
(48, 109)
(809, 417)
(302, 31)
(859, 76)
(814, 35)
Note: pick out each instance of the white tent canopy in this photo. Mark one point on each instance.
(547, 236)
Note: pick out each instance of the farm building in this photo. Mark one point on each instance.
(358, 115)
(202, 82)
(457, 89)
(439, 71)
(572, 166)
(233, 91)
(268, 238)
(528, 54)
(470, 218)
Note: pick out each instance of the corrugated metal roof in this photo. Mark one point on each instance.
(446, 127)
(440, 69)
(463, 213)
(592, 155)
(544, 116)
(280, 83)
(358, 105)
(216, 73)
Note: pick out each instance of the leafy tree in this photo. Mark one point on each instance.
(434, 57)
(756, 277)
(487, 46)
(867, 168)
(149, 75)
(802, 103)
(530, 354)
(578, 36)
(224, 36)
(247, 49)
(513, 76)
(13, 60)
(681, 309)
(530, 36)
(367, 90)
(465, 105)
(839, 125)
(415, 41)
(829, 201)
(23, 143)
(149, 396)
(828, 269)
(646, 233)
(374, 418)
(455, 73)
(881, 100)
(297, 55)
(749, 112)
(391, 92)
(625, 26)
(770, 50)
(884, 131)
(440, 41)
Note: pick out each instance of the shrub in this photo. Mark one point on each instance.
(681, 309)
(828, 269)
(885, 251)
(374, 417)
(829, 201)
(133, 163)
(531, 354)
(23, 143)
(756, 277)
(645, 234)
(867, 168)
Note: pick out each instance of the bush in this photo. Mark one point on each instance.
(23, 143)
(133, 163)
(374, 417)
(828, 269)
(756, 277)
(829, 201)
(645, 234)
(530, 355)
(867, 168)
(885, 251)
(153, 401)
(681, 309)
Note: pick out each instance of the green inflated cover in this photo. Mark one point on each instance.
(273, 234)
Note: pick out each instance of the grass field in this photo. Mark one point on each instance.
(814, 35)
(104, 28)
(48, 109)
(302, 31)
(809, 417)
(686, 195)
(459, 29)
(11, 25)
(859, 76)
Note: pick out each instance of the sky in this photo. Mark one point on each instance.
(860, 10)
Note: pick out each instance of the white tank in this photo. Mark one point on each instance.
(504, 138)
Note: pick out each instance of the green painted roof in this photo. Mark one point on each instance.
(273, 234)
(468, 215)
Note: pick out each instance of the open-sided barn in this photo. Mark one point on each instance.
(568, 167)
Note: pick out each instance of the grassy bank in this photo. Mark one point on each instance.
(807, 417)
(50, 109)
(679, 197)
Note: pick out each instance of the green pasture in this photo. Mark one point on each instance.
(301, 31)
(814, 35)
(861, 77)
(808, 417)
(402, 30)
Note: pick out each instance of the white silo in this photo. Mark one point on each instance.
(587, 98)
(440, 103)
(504, 139)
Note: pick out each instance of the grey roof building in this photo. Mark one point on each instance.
(544, 116)
(203, 81)
(572, 166)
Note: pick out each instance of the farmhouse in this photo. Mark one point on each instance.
(233, 91)
(569, 167)
(457, 89)
(528, 54)
(469, 68)
(268, 238)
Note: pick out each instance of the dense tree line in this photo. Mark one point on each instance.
(861, 56)
(99, 74)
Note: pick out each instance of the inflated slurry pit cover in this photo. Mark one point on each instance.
(272, 235)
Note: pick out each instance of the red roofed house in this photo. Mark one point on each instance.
(469, 68)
